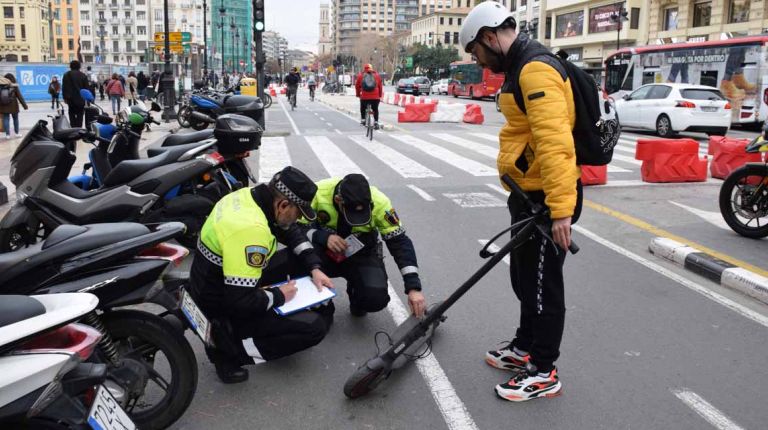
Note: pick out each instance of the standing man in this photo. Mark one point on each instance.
(350, 206)
(369, 90)
(537, 151)
(237, 266)
(73, 81)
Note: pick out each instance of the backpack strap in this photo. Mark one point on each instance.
(512, 80)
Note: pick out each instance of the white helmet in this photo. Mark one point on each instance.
(487, 14)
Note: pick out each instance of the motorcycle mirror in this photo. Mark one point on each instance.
(136, 119)
(112, 143)
(156, 107)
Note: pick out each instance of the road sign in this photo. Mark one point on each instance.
(175, 49)
(409, 62)
(174, 36)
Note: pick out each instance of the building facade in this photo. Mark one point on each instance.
(26, 33)
(231, 34)
(65, 29)
(673, 21)
(275, 45)
(440, 27)
(114, 31)
(325, 44)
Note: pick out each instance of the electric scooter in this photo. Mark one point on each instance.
(411, 336)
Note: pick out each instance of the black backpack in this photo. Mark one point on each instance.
(597, 127)
(6, 95)
(369, 82)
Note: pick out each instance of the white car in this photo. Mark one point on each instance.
(440, 87)
(671, 108)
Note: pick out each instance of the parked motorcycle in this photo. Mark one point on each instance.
(151, 368)
(744, 194)
(134, 190)
(214, 104)
(45, 382)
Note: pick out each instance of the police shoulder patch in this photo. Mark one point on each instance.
(391, 217)
(323, 217)
(256, 256)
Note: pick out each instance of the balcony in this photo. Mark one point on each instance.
(101, 21)
(114, 6)
(114, 21)
(128, 21)
(101, 6)
(114, 36)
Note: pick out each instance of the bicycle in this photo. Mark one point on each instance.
(311, 93)
(267, 99)
(370, 123)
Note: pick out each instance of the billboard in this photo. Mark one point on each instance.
(34, 79)
(570, 24)
(602, 18)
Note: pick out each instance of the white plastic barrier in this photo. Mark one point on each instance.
(448, 112)
(350, 91)
(389, 98)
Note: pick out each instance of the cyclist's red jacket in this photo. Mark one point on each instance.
(369, 95)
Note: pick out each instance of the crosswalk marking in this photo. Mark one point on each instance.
(624, 158)
(617, 169)
(472, 146)
(476, 200)
(406, 167)
(333, 159)
(489, 137)
(423, 194)
(273, 156)
(470, 166)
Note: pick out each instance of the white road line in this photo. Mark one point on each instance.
(470, 166)
(329, 124)
(498, 188)
(705, 410)
(293, 124)
(333, 159)
(423, 194)
(728, 303)
(624, 158)
(714, 218)
(494, 248)
(404, 166)
(338, 131)
(617, 169)
(476, 200)
(273, 156)
(472, 146)
(454, 411)
(321, 119)
(489, 137)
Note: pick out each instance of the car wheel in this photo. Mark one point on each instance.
(454, 93)
(664, 126)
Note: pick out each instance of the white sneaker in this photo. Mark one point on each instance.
(18, 134)
(525, 386)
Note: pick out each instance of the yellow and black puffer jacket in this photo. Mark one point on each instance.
(536, 148)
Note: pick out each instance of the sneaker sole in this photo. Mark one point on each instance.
(520, 399)
(511, 368)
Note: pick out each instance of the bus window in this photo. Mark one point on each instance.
(649, 78)
(614, 73)
(629, 80)
(709, 78)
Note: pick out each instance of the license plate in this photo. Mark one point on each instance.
(196, 318)
(709, 109)
(106, 413)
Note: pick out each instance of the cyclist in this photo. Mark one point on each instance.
(293, 79)
(311, 84)
(369, 90)
(538, 152)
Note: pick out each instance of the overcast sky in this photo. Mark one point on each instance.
(296, 20)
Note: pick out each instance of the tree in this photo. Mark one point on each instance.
(271, 66)
(431, 59)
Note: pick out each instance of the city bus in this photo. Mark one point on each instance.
(735, 66)
(469, 79)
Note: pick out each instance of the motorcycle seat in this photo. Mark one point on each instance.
(237, 101)
(15, 308)
(72, 240)
(69, 134)
(184, 138)
(128, 170)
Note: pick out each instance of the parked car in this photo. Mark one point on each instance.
(440, 87)
(406, 85)
(671, 108)
(424, 85)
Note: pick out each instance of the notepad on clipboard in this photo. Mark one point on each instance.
(306, 297)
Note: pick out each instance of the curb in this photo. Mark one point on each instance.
(724, 273)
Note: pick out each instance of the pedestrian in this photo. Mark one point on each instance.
(116, 92)
(122, 80)
(71, 84)
(132, 85)
(10, 97)
(537, 151)
(54, 89)
(143, 84)
(101, 81)
(93, 81)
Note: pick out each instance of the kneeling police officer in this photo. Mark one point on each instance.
(237, 260)
(351, 206)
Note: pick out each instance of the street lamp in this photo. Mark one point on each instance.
(236, 44)
(222, 14)
(169, 93)
(619, 17)
(205, 40)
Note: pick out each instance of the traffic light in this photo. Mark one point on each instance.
(258, 15)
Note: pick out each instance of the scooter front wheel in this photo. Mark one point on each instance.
(183, 116)
(363, 381)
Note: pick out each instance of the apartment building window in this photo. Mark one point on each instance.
(634, 18)
(69, 14)
(115, 46)
(85, 30)
(141, 16)
(447, 38)
(158, 14)
(702, 12)
(128, 14)
(85, 15)
(523, 3)
(128, 47)
(128, 30)
(114, 30)
(670, 19)
(8, 12)
(23, 32)
(142, 45)
(70, 29)
(116, 58)
(58, 29)
(513, 5)
(141, 2)
(548, 28)
(738, 11)
(21, 12)
(455, 37)
(71, 44)
(450, 21)
(24, 58)
(59, 44)
(141, 30)
(442, 20)
(86, 45)
(114, 14)
(459, 21)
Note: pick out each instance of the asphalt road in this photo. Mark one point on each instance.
(647, 345)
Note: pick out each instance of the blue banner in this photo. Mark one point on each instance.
(34, 79)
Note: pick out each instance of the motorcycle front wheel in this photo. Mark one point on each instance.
(183, 116)
(744, 200)
(161, 382)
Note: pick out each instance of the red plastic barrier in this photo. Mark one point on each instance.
(714, 144)
(282, 90)
(729, 155)
(671, 160)
(594, 175)
(474, 114)
(397, 99)
(415, 112)
(272, 92)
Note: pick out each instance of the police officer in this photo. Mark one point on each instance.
(237, 260)
(351, 206)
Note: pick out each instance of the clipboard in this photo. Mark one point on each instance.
(306, 297)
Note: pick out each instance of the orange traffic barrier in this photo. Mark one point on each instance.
(671, 160)
(594, 175)
(396, 100)
(714, 143)
(272, 92)
(474, 114)
(415, 112)
(730, 154)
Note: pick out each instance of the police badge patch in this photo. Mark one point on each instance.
(256, 256)
(323, 217)
(391, 217)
